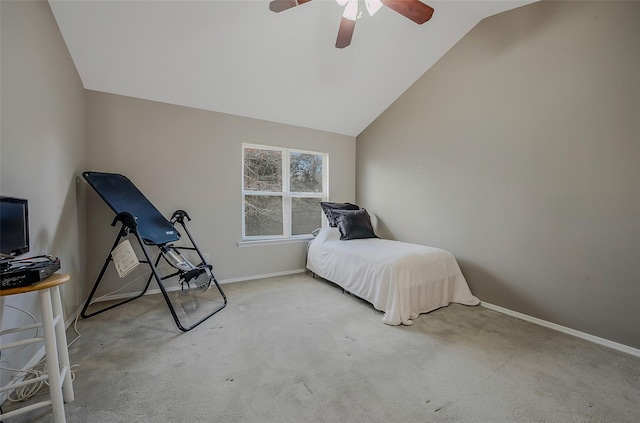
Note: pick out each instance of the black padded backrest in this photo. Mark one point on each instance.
(122, 196)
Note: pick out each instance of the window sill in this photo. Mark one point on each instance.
(261, 242)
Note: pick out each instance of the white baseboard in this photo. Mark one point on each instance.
(221, 282)
(597, 340)
(267, 275)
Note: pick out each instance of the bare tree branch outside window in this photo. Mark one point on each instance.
(306, 172)
(262, 170)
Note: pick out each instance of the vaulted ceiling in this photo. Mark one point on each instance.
(238, 57)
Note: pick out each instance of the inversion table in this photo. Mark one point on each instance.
(139, 217)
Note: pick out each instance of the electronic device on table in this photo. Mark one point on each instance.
(14, 241)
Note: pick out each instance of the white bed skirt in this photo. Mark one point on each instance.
(403, 280)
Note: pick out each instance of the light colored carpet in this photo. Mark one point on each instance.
(296, 349)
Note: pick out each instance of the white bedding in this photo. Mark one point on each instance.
(401, 279)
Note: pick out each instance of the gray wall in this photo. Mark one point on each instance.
(42, 148)
(191, 159)
(519, 151)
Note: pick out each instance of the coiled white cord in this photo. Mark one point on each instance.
(23, 393)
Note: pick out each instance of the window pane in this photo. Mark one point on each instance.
(262, 170)
(306, 172)
(306, 215)
(263, 215)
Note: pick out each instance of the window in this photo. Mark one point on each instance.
(281, 191)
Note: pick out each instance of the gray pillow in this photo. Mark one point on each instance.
(355, 224)
(328, 209)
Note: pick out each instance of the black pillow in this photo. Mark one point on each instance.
(328, 208)
(355, 224)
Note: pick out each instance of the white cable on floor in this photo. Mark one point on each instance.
(23, 393)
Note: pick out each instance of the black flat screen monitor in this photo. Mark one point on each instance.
(14, 226)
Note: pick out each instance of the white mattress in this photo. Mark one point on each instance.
(401, 279)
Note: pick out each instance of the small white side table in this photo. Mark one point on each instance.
(55, 345)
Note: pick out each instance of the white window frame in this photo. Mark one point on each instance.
(286, 194)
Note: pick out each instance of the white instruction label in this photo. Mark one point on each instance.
(124, 258)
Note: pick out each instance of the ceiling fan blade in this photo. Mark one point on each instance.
(280, 5)
(412, 9)
(345, 32)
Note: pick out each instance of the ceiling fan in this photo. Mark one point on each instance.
(411, 9)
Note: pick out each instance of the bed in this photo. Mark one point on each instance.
(403, 280)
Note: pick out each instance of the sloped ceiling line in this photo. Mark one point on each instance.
(238, 57)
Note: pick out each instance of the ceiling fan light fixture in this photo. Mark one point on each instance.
(352, 10)
(373, 6)
(414, 10)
